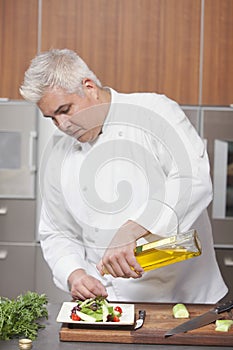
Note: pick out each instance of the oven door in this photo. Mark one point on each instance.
(17, 149)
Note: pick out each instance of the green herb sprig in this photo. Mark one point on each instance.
(19, 317)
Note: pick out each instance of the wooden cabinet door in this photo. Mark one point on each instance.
(18, 37)
(218, 53)
(133, 45)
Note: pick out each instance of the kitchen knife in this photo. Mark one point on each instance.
(202, 320)
(140, 320)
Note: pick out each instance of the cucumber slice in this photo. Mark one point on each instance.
(223, 325)
(180, 311)
(85, 317)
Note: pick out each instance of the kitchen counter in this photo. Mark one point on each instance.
(48, 339)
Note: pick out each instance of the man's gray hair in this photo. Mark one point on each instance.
(55, 68)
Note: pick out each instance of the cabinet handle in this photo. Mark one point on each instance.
(32, 138)
(3, 211)
(3, 254)
(228, 261)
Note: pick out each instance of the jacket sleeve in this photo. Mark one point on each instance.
(59, 234)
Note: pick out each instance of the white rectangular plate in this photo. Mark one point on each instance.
(127, 317)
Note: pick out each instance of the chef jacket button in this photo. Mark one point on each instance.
(96, 229)
(84, 188)
(77, 147)
(120, 133)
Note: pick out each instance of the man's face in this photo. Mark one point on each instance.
(81, 117)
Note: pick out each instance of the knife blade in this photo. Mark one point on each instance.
(202, 320)
(140, 320)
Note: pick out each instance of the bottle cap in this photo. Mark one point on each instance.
(25, 344)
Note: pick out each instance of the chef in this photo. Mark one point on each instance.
(129, 169)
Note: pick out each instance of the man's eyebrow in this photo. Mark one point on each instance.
(60, 108)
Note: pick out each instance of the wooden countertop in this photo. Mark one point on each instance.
(159, 319)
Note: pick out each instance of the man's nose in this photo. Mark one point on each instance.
(62, 121)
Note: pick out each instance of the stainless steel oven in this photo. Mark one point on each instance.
(17, 149)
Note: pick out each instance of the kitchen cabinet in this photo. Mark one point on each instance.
(22, 266)
(177, 47)
(17, 268)
(17, 220)
(18, 36)
(132, 45)
(18, 121)
(225, 261)
(17, 246)
(217, 82)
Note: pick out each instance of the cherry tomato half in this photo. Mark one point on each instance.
(116, 319)
(75, 317)
(118, 309)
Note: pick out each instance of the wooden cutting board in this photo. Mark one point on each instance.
(159, 319)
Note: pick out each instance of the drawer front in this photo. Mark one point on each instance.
(17, 265)
(225, 261)
(17, 220)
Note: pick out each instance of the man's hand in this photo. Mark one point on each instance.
(84, 286)
(119, 259)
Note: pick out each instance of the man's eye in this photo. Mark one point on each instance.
(65, 111)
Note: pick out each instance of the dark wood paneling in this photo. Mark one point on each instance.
(18, 35)
(133, 45)
(218, 53)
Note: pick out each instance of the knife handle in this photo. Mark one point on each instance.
(142, 314)
(224, 307)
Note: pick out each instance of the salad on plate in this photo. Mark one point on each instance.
(95, 310)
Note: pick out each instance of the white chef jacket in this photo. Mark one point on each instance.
(148, 154)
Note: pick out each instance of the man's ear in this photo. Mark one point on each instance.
(88, 83)
(90, 88)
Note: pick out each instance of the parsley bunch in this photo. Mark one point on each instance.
(18, 317)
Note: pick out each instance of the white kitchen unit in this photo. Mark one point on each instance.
(18, 132)
(17, 246)
(225, 261)
(217, 128)
(17, 267)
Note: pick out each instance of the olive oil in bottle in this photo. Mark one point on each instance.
(168, 251)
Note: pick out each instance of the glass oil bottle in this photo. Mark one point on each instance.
(168, 250)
